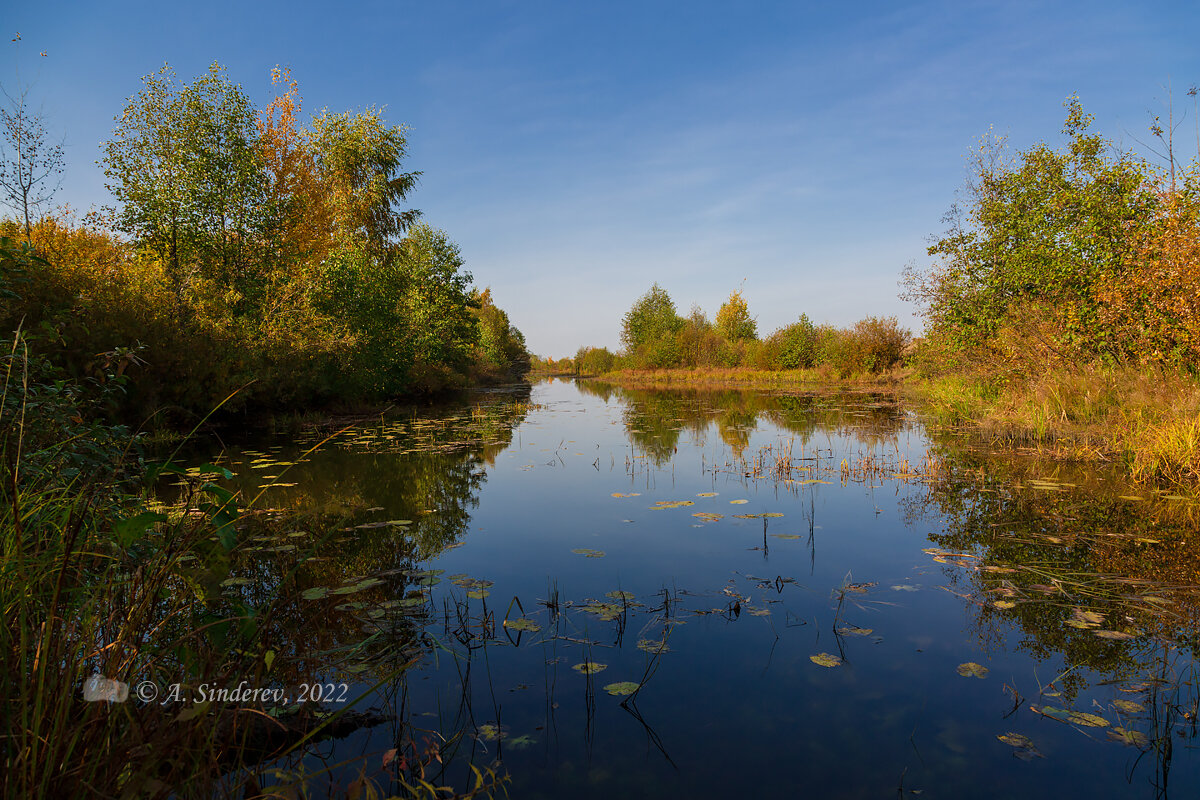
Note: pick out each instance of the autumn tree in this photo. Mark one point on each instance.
(295, 189)
(1151, 309)
(734, 321)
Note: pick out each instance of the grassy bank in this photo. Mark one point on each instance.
(1148, 421)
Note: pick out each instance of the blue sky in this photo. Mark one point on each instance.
(578, 152)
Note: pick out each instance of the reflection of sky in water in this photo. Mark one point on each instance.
(737, 707)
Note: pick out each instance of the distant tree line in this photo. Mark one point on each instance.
(249, 250)
(655, 336)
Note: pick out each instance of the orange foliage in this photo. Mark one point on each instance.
(295, 181)
(1152, 307)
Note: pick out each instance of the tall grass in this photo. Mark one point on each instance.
(1146, 419)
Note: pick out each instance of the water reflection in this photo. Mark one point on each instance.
(768, 579)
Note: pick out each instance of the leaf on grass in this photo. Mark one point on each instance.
(826, 660)
(972, 670)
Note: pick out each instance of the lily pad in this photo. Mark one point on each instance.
(826, 660)
(1087, 720)
(707, 494)
(589, 668)
(1116, 635)
(739, 502)
(478, 594)
(854, 630)
(316, 593)
(708, 516)
(1129, 738)
(622, 688)
(972, 670)
(786, 535)
(491, 733)
(605, 611)
(586, 551)
(664, 504)
(653, 645)
(522, 624)
(622, 595)
(1128, 706)
(1016, 740)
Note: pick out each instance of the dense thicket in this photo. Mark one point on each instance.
(250, 253)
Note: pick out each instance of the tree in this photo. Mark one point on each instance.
(651, 318)
(28, 161)
(1036, 235)
(501, 344)
(185, 167)
(296, 193)
(734, 321)
(359, 157)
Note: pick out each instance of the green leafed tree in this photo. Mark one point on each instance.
(1036, 234)
(360, 159)
(185, 168)
(651, 318)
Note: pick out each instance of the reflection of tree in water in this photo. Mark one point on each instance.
(426, 470)
(655, 417)
(1068, 567)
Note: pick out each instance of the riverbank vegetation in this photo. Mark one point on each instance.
(252, 256)
(1063, 305)
(251, 265)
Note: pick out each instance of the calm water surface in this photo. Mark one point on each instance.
(812, 594)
